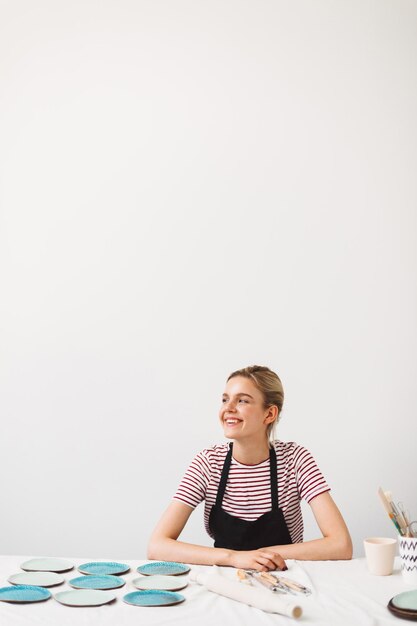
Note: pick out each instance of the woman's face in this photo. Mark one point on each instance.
(242, 413)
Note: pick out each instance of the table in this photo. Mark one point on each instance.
(344, 594)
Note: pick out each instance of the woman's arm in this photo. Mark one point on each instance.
(163, 544)
(336, 543)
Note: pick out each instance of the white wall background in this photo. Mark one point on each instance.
(189, 187)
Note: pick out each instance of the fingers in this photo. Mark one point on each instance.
(261, 564)
(272, 561)
(259, 560)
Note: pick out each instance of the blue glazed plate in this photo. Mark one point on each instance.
(164, 568)
(154, 597)
(24, 593)
(97, 582)
(104, 568)
(84, 597)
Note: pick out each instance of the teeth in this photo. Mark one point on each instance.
(232, 421)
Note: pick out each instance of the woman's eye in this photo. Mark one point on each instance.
(242, 400)
(223, 400)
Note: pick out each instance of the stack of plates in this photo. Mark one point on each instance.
(158, 584)
(404, 605)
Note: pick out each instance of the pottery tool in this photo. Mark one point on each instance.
(251, 576)
(278, 583)
(271, 582)
(272, 603)
(282, 583)
(292, 584)
(264, 579)
(243, 577)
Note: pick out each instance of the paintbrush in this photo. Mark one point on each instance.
(389, 510)
(398, 516)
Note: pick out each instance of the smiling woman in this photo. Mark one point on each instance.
(252, 488)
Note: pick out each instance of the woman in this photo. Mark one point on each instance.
(252, 490)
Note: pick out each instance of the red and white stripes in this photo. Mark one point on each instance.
(248, 489)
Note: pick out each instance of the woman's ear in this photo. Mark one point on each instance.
(271, 415)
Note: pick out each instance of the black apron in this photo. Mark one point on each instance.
(238, 534)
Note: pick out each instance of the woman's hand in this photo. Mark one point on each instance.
(164, 545)
(262, 560)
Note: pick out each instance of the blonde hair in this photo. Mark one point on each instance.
(270, 385)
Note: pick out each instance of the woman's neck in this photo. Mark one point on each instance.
(251, 452)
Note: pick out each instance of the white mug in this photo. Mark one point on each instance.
(380, 553)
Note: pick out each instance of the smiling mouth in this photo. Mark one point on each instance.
(232, 421)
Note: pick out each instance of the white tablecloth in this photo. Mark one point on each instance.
(344, 594)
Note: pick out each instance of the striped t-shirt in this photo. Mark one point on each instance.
(248, 489)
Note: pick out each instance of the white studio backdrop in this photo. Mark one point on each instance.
(189, 187)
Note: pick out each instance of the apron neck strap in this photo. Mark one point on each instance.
(274, 480)
(273, 477)
(223, 477)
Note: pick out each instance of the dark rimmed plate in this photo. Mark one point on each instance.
(84, 597)
(104, 568)
(36, 579)
(163, 568)
(154, 597)
(97, 582)
(404, 605)
(24, 593)
(410, 615)
(49, 564)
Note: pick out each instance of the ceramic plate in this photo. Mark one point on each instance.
(167, 568)
(104, 568)
(406, 600)
(97, 582)
(40, 579)
(24, 593)
(167, 583)
(84, 597)
(47, 565)
(153, 598)
(402, 613)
